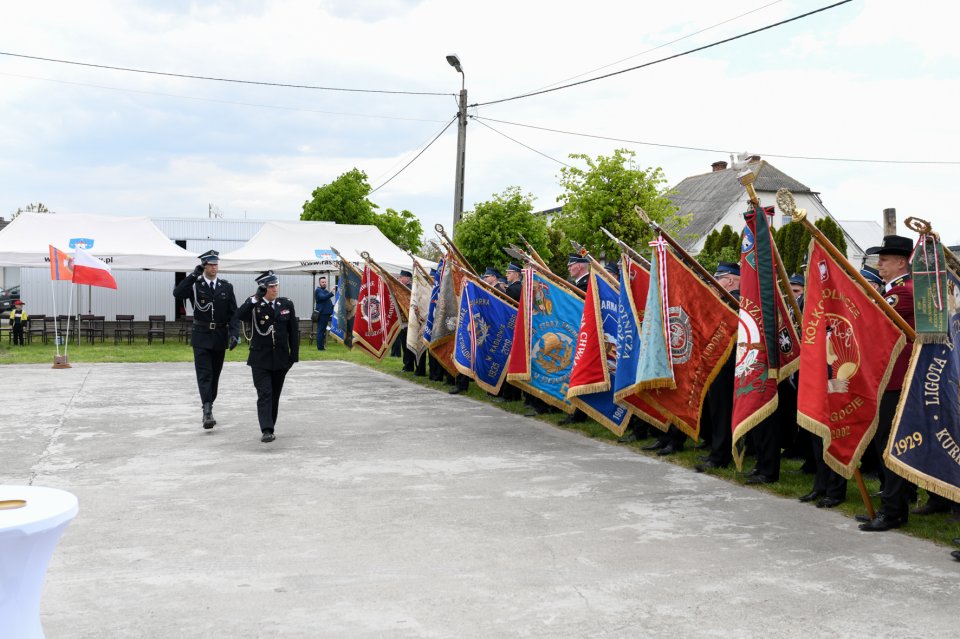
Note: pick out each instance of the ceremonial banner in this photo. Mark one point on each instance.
(757, 359)
(419, 307)
(634, 283)
(377, 322)
(924, 445)
(61, 265)
(543, 344)
(848, 352)
(432, 306)
(443, 328)
(485, 328)
(654, 366)
(595, 360)
(930, 312)
(702, 333)
(345, 304)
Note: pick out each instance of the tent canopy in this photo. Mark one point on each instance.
(307, 247)
(124, 243)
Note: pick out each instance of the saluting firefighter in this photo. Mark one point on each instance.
(274, 346)
(214, 327)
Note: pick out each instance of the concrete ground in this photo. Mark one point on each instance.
(385, 509)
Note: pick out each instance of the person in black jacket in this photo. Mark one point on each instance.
(274, 347)
(214, 327)
(514, 281)
(323, 305)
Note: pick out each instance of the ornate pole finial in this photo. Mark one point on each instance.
(918, 225)
(747, 178)
(439, 229)
(789, 206)
(365, 255)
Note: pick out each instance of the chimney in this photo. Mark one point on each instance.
(719, 166)
(753, 158)
(889, 221)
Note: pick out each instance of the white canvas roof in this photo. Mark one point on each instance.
(124, 243)
(306, 247)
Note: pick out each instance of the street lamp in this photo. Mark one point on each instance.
(454, 62)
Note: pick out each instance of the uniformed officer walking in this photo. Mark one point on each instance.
(214, 327)
(274, 347)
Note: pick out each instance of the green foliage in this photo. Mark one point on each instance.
(560, 247)
(793, 240)
(605, 194)
(710, 244)
(727, 238)
(403, 229)
(483, 232)
(343, 201)
(721, 246)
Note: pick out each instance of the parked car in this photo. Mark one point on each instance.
(8, 297)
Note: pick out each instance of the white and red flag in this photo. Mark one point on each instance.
(87, 269)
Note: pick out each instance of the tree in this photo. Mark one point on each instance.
(710, 261)
(343, 201)
(402, 228)
(721, 246)
(605, 194)
(793, 239)
(482, 233)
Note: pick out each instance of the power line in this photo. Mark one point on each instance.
(526, 146)
(665, 44)
(217, 101)
(724, 151)
(215, 79)
(678, 55)
(452, 120)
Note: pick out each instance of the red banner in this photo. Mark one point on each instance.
(849, 350)
(702, 333)
(377, 321)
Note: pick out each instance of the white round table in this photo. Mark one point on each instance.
(32, 519)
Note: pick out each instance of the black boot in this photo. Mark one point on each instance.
(208, 420)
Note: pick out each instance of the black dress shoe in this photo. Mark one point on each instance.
(862, 518)
(760, 479)
(753, 472)
(955, 554)
(454, 391)
(811, 496)
(669, 449)
(657, 445)
(208, 420)
(829, 502)
(956, 540)
(931, 509)
(267, 437)
(883, 522)
(627, 438)
(708, 465)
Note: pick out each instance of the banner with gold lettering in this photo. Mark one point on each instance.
(924, 445)
(377, 321)
(849, 348)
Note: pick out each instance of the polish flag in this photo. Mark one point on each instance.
(87, 269)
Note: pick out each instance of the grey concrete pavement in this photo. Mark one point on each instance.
(385, 509)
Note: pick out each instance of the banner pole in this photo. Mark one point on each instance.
(453, 247)
(56, 334)
(864, 494)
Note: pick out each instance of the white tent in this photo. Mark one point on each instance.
(307, 247)
(124, 243)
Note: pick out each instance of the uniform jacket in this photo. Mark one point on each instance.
(323, 301)
(275, 344)
(210, 306)
(513, 290)
(900, 296)
(582, 282)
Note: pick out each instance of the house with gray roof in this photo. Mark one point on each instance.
(711, 200)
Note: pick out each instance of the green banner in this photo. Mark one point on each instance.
(930, 290)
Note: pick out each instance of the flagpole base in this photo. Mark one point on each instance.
(61, 361)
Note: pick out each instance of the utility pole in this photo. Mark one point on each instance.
(454, 61)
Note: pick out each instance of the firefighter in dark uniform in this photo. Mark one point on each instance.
(893, 264)
(214, 327)
(514, 281)
(409, 363)
(274, 346)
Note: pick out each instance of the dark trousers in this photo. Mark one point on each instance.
(208, 363)
(420, 365)
(897, 491)
(268, 383)
(18, 334)
(766, 437)
(322, 323)
(720, 412)
(408, 360)
(826, 481)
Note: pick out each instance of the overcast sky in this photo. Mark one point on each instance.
(872, 80)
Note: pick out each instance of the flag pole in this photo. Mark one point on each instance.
(56, 334)
(583, 252)
(417, 266)
(452, 247)
(634, 255)
(347, 263)
(532, 251)
(546, 272)
(473, 277)
(789, 206)
(706, 275)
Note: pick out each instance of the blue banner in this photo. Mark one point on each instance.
(601, 406)
(554, 325)
(485, 326)
(654, 368)
(432, 309)
(628, 335)
(924, 444)
(345, 305)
